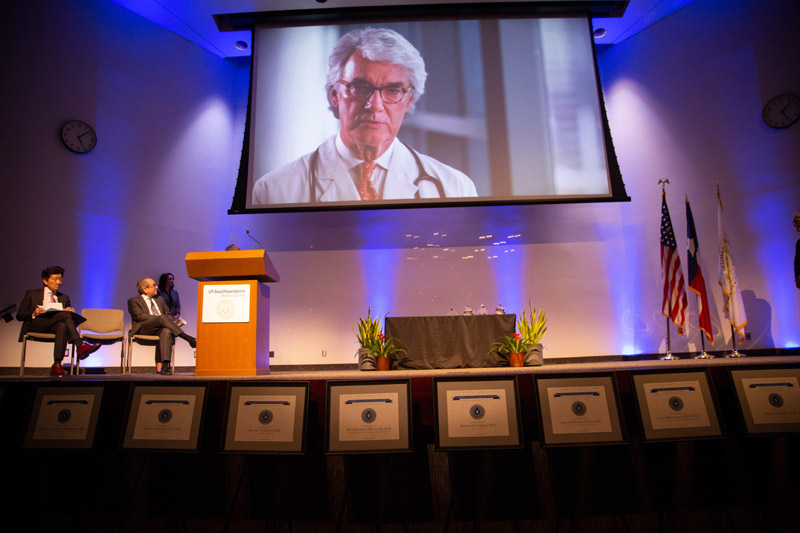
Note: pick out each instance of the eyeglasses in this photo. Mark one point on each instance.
(363, 91)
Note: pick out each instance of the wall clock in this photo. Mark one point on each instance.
(78, 136)
(782, 111)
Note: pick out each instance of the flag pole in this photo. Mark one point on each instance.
(697, 282)
(735, 352)
(705, 354)
(669, 356)
(730, 286)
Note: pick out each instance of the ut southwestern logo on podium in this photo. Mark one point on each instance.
(226, 303)
(226, 309)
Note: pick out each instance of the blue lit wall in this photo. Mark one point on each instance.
(169, 118)
(685, 99)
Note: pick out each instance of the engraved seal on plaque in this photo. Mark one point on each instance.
(477, 411)
(579, 408)
(675, 403)
(775, 400)
(63, 416)
(265, 416)
(368, 415)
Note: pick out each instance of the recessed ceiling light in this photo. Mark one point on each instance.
(599, 33)
(241, 45)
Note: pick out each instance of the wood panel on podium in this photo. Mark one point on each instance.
(232, 311)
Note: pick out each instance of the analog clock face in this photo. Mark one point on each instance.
(78, 136)
(782, 111)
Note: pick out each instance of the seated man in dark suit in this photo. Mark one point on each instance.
(150, 316)
(36, 319)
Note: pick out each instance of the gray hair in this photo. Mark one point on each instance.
(140, 285)
(381, 45)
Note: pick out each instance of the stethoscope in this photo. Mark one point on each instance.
(423, 174)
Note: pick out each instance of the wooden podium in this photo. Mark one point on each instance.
(232, 311)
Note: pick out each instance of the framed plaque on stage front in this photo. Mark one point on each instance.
(579, 410)
(266, 418)
(676, 405)
(368, 416)
(164, 417)
(769, 398)
(64, 417)
(477, 413)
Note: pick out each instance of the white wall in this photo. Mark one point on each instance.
(684, 100)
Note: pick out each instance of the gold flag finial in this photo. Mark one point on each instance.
(663, 182)
(719, 198)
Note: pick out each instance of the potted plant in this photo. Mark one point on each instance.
(385, 349)
(532, 330)
(513, 347)
(375, 349)
(367, 336)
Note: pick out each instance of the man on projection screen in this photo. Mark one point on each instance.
(374, 78)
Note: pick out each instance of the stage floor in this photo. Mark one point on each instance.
(278, 373)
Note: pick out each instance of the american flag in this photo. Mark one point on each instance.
(675, 301)
(697, 283)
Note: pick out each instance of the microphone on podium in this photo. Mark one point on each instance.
(259, 242)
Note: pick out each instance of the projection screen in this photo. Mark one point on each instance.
(509, 112)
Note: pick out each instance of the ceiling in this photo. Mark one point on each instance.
(193, 19)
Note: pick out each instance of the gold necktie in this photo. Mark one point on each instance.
(365, 188)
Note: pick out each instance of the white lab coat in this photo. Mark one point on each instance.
(293, 182)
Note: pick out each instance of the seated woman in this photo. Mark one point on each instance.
(166, 289)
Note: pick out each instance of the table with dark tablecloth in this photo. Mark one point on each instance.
(449, 341)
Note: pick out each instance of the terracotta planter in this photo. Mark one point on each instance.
(382, 363)
(366, 359)
(516, 359)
